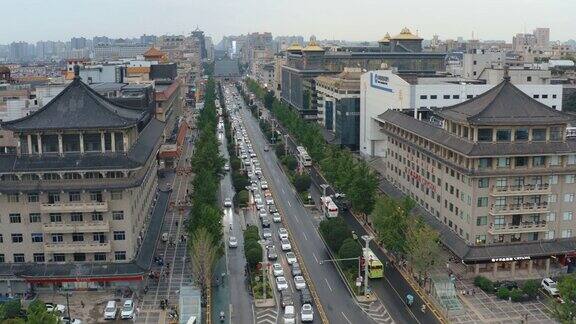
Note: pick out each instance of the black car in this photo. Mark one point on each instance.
(305, 296)
(505, 284)
(286, 298)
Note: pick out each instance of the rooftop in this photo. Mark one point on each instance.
(406, 34)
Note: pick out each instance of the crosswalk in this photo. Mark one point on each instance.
(267, 315)
(376, 311)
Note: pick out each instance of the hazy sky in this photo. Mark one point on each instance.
(33, 20)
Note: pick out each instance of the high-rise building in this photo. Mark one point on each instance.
(542, 38)
(78, 43)
(19, 52)
(199, 35)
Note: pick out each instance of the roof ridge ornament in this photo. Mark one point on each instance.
(76, 72)
(506, 73)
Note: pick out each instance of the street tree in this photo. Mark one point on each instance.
(350, 249)
(390, 218)
(302, 182)
(565, 312)
(37, 314)
(422, 247)
(203, 255)
(334, 231)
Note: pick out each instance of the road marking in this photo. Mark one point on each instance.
(306, 237)
(289, 204)
(328, 284)
(346, 318)
(315, 258)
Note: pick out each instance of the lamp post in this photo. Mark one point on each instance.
(67, 294)
(366, 239)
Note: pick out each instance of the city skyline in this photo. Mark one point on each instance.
(287, 18)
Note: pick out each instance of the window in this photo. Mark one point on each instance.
(59, 257)
(80, 257)
(97, 216)
(2, 258)
(120, 255)
(571, 159)
(551, 217)
(76, 217)
(13, 198)
(469, 96)
(521, 134)
(567, 216)
(1, 238)
(566, 233)
(116, 194)
(39, 257)
(17, 238)
(433, 97)
(57, 238)
(118, 215)
(569, 178)
(15, 218)
(33, 197)
(503, 135)
(538, 161)
(536, 96)
(554, 96)
(503, 162)
(556, 133)
(119, 235)
(55, 218)
(455, 96)
(446, 96)
(549, 235)
(553, 179)
(37, 237)
(554, 160)
(484, 163)
(99, 256)
(569, 197)
(482, 201)
(53, 197)
(481, 220)
(77, 237)
(544, 96)
(19, 258)
(483, 182)
(96, 196)
(539, 134)
(528, 79)
(521, 161)
(485, 134)
(552, 198)
(423, 97)
(74, 196)
(501, 182)
(480, 239)
(35, 218)
(99, 237)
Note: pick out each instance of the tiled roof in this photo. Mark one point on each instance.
(504, 104)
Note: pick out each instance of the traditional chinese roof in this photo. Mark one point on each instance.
(406, 34)
(313, 47)
(294, 48)
(504, 104)
(77, 107)
(385, 39)
(153, 52)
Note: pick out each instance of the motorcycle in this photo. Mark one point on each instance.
(222, 317)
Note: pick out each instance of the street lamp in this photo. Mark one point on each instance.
(366, 239)
(67, 294)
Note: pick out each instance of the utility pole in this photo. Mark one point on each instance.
(366, 239)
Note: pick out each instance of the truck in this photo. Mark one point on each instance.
(329, 208)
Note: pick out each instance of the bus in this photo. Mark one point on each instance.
(375, 267)
(329, 207)
(303, 156)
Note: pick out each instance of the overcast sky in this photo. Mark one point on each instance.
(33, 20)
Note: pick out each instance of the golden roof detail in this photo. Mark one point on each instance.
(406, 34)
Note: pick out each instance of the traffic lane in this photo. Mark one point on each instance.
(327, 282)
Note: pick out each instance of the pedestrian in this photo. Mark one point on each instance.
(82, 303)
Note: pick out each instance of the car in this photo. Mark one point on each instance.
(110, 310)
(68, 320)
(278, 270)
(259, 206)
(282, 233)
(550, 287)
(227, 202)
(267, 193)
(266, 148)
(127, 309)
(262, 213)
(265, 222)
(299, 282)
(276, 218)
(266, 233)
(281, 283)
(252, 155)
(291, 257)
(247, 162)
(51, 307)
(254, 187)
(286, 298)
(296, 271)
(269, 201)
(286, 246)
(305, 296)
(289, 315)
(272, 255)
(226, 167)
(264, 185)
(505, 284)
(257, 199)
(272, 209)
(307, 313)
(232, 242)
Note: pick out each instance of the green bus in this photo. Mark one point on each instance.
(375, 266)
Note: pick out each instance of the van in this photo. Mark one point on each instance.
(110, 310)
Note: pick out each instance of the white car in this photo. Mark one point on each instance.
(127, 309)
(299, 282)
(285, 245)
(257, 199)
(227, 202)
(252, 155)
(278, 271)
(281, 283)
(282, 233)
(259, 206)
(226, 167)
(307, 313)
(232, 242)
(68, 320)
(262, 213)
(276, 218)
(51, 307)
(291, 257)
(289, 314)
(266, 233)
(110, 310)
(264, 185)
(269, 201)
(550, 286)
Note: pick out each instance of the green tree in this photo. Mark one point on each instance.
(350, 249)
(530, 287)
(208, 217)
(242, 198)
(422, 247)
(253, 256)
(280, 150)
(204, 254)
(302, 182)
(565, 312)
(391, 219)
(239, 181)
(269, 99)
(37, 314)
(11, 309)
(334, 231)
(290, 162)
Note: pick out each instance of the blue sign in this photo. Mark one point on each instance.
(380, 82)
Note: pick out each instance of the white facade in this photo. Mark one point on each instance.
(474, 63)
(383, 90)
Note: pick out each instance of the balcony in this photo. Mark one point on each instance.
(77, 247)
(77, 227)
(523, 227)
(516, 209)
(74, 207)
(521, 190)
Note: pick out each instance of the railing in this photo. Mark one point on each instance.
(77, 227)
(81, 247)
(543, 188)
(523, 227)
(526, 208)
(71, 207)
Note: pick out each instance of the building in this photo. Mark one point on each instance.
(542, 38)
(475, 61)
(77, 43)
(199, 36)
(495, 176)
(339, 106)
(78, 196)
(526, 74)
(104, 51)
(388, 90)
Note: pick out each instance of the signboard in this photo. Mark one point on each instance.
(380, 82)
(422, 180)
(511, 259)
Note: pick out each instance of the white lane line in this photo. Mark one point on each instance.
(346, 318)
(289, 204)
(306, 237)
(315, 258)
(327, 284)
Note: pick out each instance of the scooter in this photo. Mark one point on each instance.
(222, 317)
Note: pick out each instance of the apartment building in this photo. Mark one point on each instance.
(76, 198)
(496, 176)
